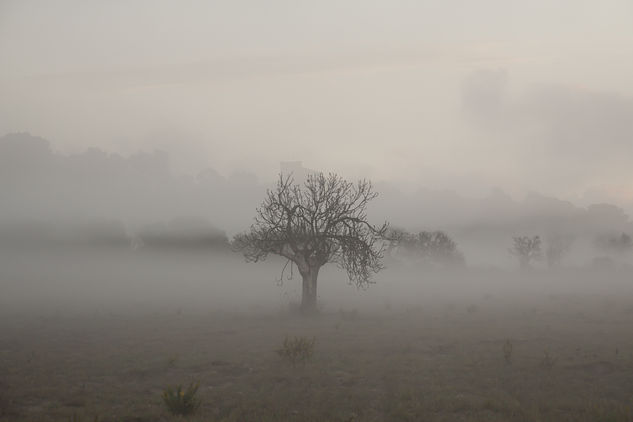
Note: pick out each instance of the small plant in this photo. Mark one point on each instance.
(297, 349)
(182, 402)
(507, 351)
(547, 361)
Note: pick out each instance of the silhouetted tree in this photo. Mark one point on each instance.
(312, 224)
(436, 247)
(526, 249)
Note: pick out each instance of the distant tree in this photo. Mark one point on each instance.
(312, 224)
(557, 247)
(526, 249)
(436, 247)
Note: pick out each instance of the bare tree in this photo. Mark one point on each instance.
(312, 224)
(526, 249)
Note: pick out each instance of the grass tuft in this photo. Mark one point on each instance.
(297, 349)
(180, 401)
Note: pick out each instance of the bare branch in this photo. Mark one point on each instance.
(318, 222)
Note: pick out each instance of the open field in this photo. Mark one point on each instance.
(571, 360)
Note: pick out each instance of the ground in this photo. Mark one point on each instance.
(571, 359)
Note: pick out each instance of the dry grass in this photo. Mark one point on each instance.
(432, 364)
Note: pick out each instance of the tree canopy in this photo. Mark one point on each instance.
(320, 221)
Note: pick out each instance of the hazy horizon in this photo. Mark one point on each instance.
(29, 147)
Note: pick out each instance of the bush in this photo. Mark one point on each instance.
(297, 349)
(182, 402)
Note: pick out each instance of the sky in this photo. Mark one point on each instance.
(461, 95)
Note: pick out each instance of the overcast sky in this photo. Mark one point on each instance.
(466, 95)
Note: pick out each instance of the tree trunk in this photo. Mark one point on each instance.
(309, 296)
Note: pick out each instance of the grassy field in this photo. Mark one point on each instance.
(570, 359)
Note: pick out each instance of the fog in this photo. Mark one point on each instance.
(454, 96)
(96, 230)
(139, 141)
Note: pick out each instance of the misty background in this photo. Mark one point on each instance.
(518, 96)
(141, 136)
(96, 229)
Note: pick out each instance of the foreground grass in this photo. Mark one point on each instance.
(571, 360)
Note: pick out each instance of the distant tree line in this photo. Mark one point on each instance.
(186, 234)
(39, 186)
(431, 247)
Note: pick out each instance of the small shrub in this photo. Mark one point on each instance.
(297, 349)
(182, 402)
(507, 351)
